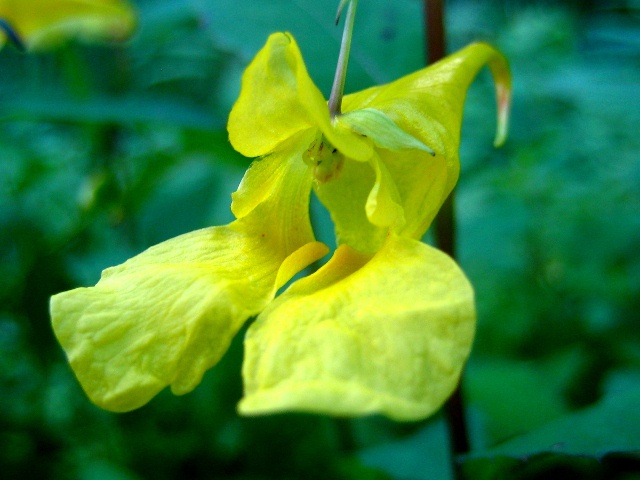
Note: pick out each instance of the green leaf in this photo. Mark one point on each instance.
(533, 396)
(422, 456)
(107, 109)
(544, 466)
(609, 426)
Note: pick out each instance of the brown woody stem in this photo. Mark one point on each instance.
(445, 233)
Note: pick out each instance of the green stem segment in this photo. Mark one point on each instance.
(337, 91)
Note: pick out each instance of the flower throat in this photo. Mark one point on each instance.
(325, 160)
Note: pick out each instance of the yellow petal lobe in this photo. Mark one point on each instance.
(345, 197)
(383, 207)
(270, 109)
(167, 315)
(278, 99)
(385, 333)
(267, 177)
(364, 203)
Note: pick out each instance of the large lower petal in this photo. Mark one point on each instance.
(167, 315)
(42, 22)
(387, 333)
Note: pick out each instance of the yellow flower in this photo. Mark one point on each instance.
(41, 23)
(384, 327)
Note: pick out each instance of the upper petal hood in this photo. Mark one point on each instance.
(278, 99)
(394, 129)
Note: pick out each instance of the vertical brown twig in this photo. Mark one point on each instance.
(445, 232)
(434, 30)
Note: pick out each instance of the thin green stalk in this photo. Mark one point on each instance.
(337, 91)
(445, 234)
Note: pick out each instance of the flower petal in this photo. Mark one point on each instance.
(383, 207)
(278, 99)
(345, 197)
(281, 176)
(402, 190)
(387, 333)
(41, 23)
(167, 315)
(364, 203)
(428, 106)
(269, 109)
(420, 180)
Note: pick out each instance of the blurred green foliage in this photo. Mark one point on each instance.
(108, 149)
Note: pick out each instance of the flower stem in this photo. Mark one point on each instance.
(337, 91)
(445, 234)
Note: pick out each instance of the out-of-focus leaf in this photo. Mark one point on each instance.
(193, 193)
(533, 395)
(103, 109)
(549, 465)
(352, 469)
(612, 425)
(549, 231)
(102, 470)
(422, 456)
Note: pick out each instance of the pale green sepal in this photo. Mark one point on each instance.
(387, 333)
(382, 130)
